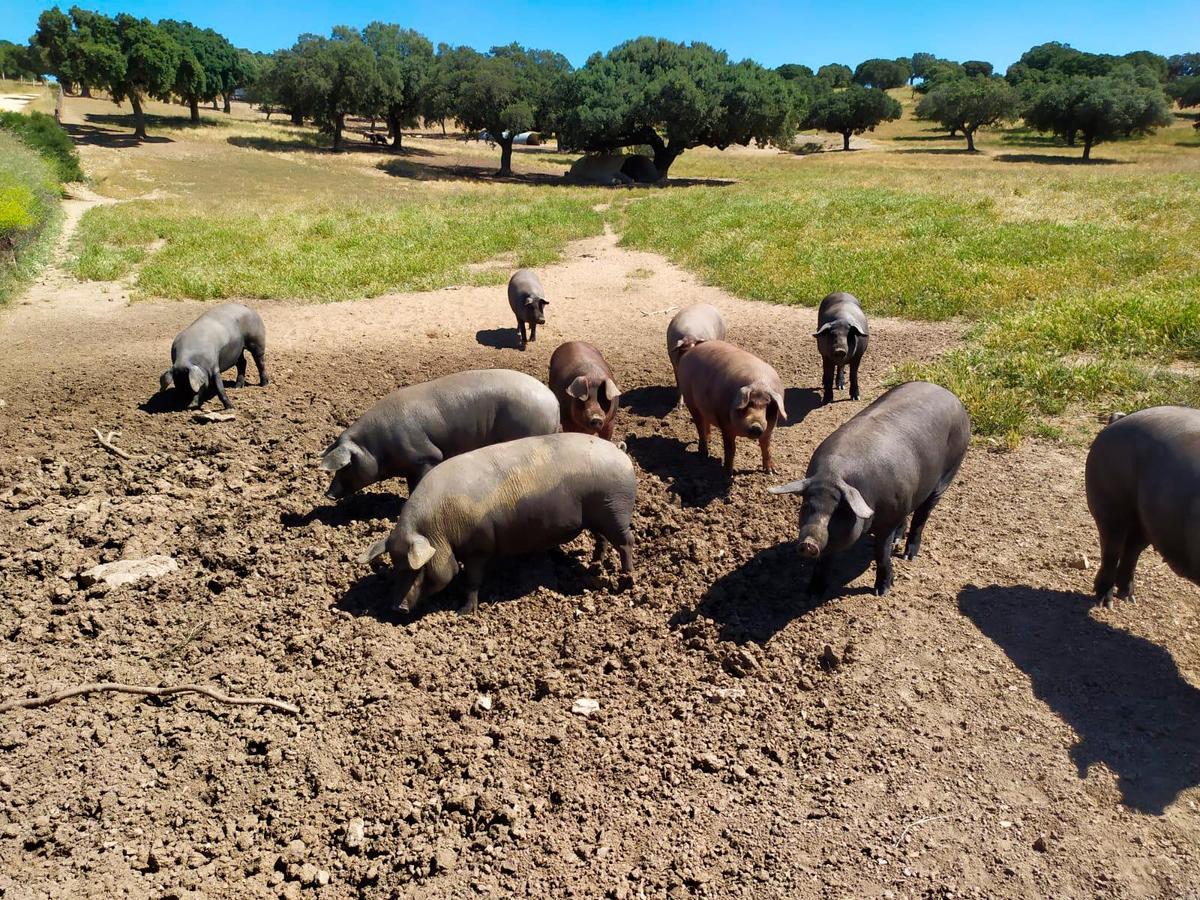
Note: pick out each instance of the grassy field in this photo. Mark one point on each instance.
(1082, 280)
(29, 213)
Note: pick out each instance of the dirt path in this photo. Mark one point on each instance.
(982, 733)
(15, 102)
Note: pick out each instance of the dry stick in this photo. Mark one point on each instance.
(904, 833)
(107, 443)
(658, 312)
(118, 688)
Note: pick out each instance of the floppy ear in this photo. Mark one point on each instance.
(166, 380)
(823, 329)
(859, 331)
(743, 397)
(375, 551)
(196, 379)
(777, 399)
(420, 551)
(792, 487)
(337, 457)
(545, 302)
(611, 390)
(857, 504)
(578, 388)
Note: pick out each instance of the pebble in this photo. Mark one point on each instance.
(585, 706)
(444, 860)
(355, 834)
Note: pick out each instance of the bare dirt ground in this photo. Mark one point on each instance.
(979, 732)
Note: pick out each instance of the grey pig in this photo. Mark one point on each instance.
(894, 458)
(528, 302)
(414, 428)
(506, 500)
(693, 325)
(842, 340)
(209, 346)
(1143, 482)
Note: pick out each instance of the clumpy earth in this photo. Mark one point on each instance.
(982, 731)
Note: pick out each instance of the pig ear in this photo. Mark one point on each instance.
(856, 502)
(823, 329)
(578, 388)
(196, 378)
(792, 487)
(611, 390)
(338, 457)
(166, 380)
(420, 551)
(375, 551)
(743, 397)
(777, 399)
(859, 331)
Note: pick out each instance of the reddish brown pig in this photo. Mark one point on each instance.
(587, 393)
(725, 386)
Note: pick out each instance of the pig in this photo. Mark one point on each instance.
(528, 302)
(725, 386)
(587, 394)
(896, 457)
(693, 325)
(1143, 482)
(508, 499)
(414, 428)
(209, 346)
(841, 339)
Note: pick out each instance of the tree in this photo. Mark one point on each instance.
(1186, 91)
(881, 73)
(673, 97)
(852, 111)
(152, 59)
(330, 78)
(20, 62)
(1098, 108)
(405, 62)
(835, 75)
(919, 66)
(58, 42)
(204, 66)
(968, 104)
(974, 67)
(80, 49)
(938, 72)
(794, 72)
(1183, 65)
(450, 63)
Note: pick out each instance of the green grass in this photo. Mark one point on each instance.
(29, 213)
(42, 133)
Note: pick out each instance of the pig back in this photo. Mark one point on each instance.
(524, 283)
(711, 374)
(701, 321)
(217, 337)
(576, 358)
(841, 306)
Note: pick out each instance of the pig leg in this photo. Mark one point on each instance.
(854, 379)
(533, 331)
(913, 545)
(1135, 543)
(827, 380)
(764, 444)
(1112, 542)
(841, 378)
(521, 332)
(240, 381)
(260, 363)
(473, 571)
(702, 427)
(883, 558)
(729, 440)
(219, 384)
(819, 580)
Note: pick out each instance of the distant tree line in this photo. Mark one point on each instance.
(648, 93)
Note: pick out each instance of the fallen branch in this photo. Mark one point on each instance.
(658, 312)
(911, 825)
(117, 688)
(107, 443)
(215, 417)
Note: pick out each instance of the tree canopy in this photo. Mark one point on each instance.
(1098, 108)
(673, 97)
(206, 67)
(1186, 91)
(835, 75)
(883, 73)
(919, 66)
(405, 64)
(973, 67)
(968, 104)
(852, 111)
(330, 78)
(20, 61)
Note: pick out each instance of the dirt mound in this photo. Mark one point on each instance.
(950, 740)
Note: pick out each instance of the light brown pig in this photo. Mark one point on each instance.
(725, 386)
(587, 393)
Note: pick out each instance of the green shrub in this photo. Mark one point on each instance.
(45, 135)
(28, 203)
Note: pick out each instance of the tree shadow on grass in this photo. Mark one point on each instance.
(416, 171)
(943, 151)
(696, 480)
(758, 599)
(499, 338)
(1124, 696)
(508, 579)
(1055, 160)
(1021, 138)
(926, 137)
(114, 140)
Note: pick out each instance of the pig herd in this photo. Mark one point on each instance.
(498, 464)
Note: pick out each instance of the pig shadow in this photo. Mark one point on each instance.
(798, 403)
(758, 599)
(499, 338)
(1124, 696)
(565, 573)
(654, 400)
(356, 508)
(171, 402)
(697, 481)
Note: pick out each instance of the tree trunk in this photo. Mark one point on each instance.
(214, 103)
(845, 140)
(84, 90)
(443, 127)
(194, 105)
(297, 118)
(1087, 147)
(970, 140)
(227, 109)
(506, 146)
(394, 128)
(953, 131)
(1071, 138)
(139, 120)
(339, 122)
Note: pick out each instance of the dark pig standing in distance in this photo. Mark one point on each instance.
(841, 340)
(894, 458)
(1143, 487)
(725, 386)
(587, 393)
(210, 345)
(414, 428)
(506, 500)
(528, 302)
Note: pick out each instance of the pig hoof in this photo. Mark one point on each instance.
(468, 609)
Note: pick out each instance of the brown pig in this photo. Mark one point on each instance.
(587, 394)
(725, 386)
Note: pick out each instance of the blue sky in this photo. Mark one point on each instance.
(771, 32)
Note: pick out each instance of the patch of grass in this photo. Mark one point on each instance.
(322, 252)
(45, 135)
(29, 213)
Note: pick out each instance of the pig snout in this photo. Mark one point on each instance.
(839, 353)
(756, 429)
(809, 548)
